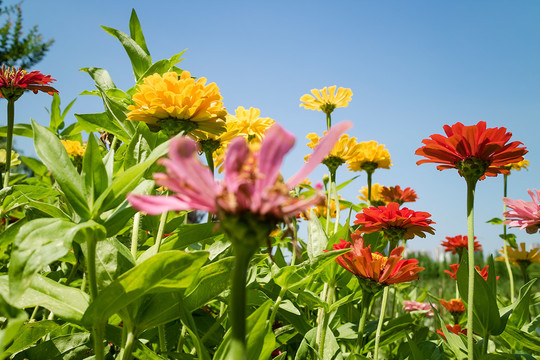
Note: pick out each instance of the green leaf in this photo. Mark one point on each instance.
(511, 238)
(101, 77)
(307, 350)
(520, 314)
(56, 119)
(53, 154)
(48, 209)
(528, 341)
(10, 330)
(30, 333)
(93, 171)
(35, 165)
(138, 149)
(317, 238)
(163, 272)
(117, 113)
(140, 60)
(135, 31)
(74, 346)
(102, 122)
(495, 221)
(18, 130)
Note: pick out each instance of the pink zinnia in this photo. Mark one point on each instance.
(410, 305)
(251, 183)
(525, 214)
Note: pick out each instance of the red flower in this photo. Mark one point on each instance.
(456, 329)
(396, 223)
(474, 150)
(14, 82)
(454, 268)
(395, 194)
(454, 306)
(458, 243)
(376, 267)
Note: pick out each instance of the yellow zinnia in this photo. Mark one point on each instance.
(518, 165)
(344, 150)
(327, 99)
(521, 256)
(377, 199)
(179, 103)
(370, 156)
(74, 148)
(322, 210)
(14, 158)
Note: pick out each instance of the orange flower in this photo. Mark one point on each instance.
(457, 243)
(396, 223)
(456, 329)
(395, 194)
(454, 268)
(14, 82)
(374, 266)
(474, 150)
(454, 306)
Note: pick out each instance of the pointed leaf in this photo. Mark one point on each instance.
(135, 31)
(93, 171)
(101, 77)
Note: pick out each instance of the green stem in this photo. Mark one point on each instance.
(328, 199)
(212, 329)
(9, 143)
(162, 339)
(485, 344)
(369, 187)
(161, 228)
(326, 319)
(295, 237)
(336, 201)
(238, 302)
(276, 305)
(394, 296)
(366, 299)
(98, 329)
(180, 344)
(471, 185)
(320, 314)
(210, 161)
(135, 235)
(379, 325)
(523, 266)
(328, 121)
(506, 243)
(127, 351)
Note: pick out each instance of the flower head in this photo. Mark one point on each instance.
(370, 156)
(74, 148)
(251, 188)
(396, 223)
(455, 267)
(343, 150)
(320, 210)
(396, 194)
(521, 255)
(14, 82)
(327, 99)
(456, 329)
(375, 267)
(517, 165)
(456, 244)
(474, 150)
(410, 306)
(377, 199)
(179, 103)
(14, 158)
(454, 306)
(525, 214)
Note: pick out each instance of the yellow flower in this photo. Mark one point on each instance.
(521, 256)
(14, 158)
(376, 195)
(518, 165)
(327, 99)
(321, 210)
(176, 104)
(74, 148)
(370, 156)
(344, 150)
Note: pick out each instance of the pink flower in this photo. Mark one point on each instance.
(409, 305)
(525, 214)
(251, 183)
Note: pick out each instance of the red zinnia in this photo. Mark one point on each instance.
(376, 267)
(396, 194)
(474, 150)
(454, 269)
(14, 82)
(454, 306)
(458, 243)
(456, 329)
(396, 223)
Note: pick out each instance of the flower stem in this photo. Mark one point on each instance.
(485, 344)
(181, 338)
(328, 121)
(9, 143)
(159, 235)
(369, 187)
(326, 318)
(128, 348)
(333, 186)
(320, 314)
(506, 243)
(366, 300)
(97, 329)
(135, 234)
(379, 325)
(276, 305)
(162, 339)
(471, 185)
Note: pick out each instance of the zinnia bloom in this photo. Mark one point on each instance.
(410, 305)
(456, 329)
(179, 103)
(521, 255)
(518, 165)
(327, 99)
(454, 269)
(370, 156)
(525, 214)
(251, 186)
(454, 306)
(322, 209)
(377, 199)
(74, 148)
(396, 223)
(456, 244)
(14, 158)
(343, 150)
(474, 150)
(375, 267)
(396, 194)
(14, 82)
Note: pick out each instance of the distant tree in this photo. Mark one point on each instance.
(17, 48)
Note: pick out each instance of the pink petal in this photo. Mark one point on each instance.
(155, 205)
(237, 153)
(323, 148)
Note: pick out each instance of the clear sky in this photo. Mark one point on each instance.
(413, 66)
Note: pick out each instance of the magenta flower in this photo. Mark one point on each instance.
(410, 305)
(525, 214)
(251, 182)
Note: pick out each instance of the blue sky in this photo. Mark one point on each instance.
(413, 66)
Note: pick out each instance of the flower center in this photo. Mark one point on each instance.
(333, 162)
(379, 257)
(327, 108)
(369, 166)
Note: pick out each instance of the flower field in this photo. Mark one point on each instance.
(162, 227)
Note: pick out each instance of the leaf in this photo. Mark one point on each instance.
(56, 119)
(317, 238)
(102, 122)
(307, 350)
(140, 60)
(30, 333)
(135, 31)
(10, 329)
(53, 154)
(495, 221)
(74, 346)
(117, 113)
(511, 238)
(521, 308)
(93, 172)
(35, 165)
(101, 77)
(163, 272)
(18, 130)
(514, 335)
